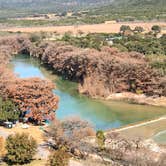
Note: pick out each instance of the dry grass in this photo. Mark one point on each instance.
(98, 28)
(2, 147)
(145, 131)
(34, 131)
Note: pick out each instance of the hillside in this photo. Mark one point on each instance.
(138, 3)
(49, 4)
(11, 8)
(125, 10)
(129, 10)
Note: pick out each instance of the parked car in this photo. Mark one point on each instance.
(8, 125)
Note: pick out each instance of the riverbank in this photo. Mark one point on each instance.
(102, 114)
(115, 72)
(143, 130)
(138, 99)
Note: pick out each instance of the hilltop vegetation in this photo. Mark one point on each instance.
(130, 10)
(12, 8)
(123, 10)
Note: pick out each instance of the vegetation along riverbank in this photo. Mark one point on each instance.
(104, 72)
(118, 74)
(83, 82)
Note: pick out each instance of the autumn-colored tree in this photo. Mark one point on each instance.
(31, 94)
(35, 95)
(113, 71)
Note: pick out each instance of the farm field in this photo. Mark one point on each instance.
(96, 28)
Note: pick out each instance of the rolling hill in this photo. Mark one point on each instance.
(20, 7)
(129, 10)
(107, 9)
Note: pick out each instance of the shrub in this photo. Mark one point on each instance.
(69, 133)
(59, 158)
(35, 38)
(138, 29)
(156, 28)
(20, 148)
(100, 138)
(124, 28)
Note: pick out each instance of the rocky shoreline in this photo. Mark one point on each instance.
(138, 99)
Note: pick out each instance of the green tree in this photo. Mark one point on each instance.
(124, 28)
(20, 148)
(163, 42)
(8, 110)
(35, 37)
(67, 36)
(156, 29)
(138, 29)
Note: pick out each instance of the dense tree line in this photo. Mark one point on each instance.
(113, 71)
(31, 94)
(146, 43)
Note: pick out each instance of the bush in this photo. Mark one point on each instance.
(138, 29)
(35, 38)
(69, 133)
(20, 148)
(124, 28)
(156, 28)
(59, 158)
(100, 138)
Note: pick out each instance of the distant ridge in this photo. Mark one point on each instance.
(36, 5)
(15, 8)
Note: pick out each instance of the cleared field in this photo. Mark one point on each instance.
(144, 130)
(34, 131)
(96, 28)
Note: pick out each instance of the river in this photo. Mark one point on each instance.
(101, 114)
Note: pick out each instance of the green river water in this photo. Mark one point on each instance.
(101, 114)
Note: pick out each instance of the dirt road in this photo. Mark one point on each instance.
(98, 28)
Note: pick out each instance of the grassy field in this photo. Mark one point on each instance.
(34, 131)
